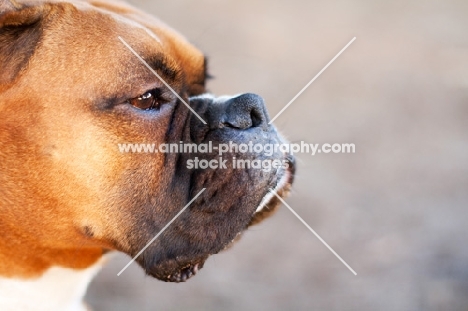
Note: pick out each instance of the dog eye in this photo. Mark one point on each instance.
(147, 101)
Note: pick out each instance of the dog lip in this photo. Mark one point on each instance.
(270, 202)
(184, 273)
(291, 168)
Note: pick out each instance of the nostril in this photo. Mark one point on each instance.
(256, 118)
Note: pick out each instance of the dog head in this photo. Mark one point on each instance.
(81, 79)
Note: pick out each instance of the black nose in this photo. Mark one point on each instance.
(245, 111)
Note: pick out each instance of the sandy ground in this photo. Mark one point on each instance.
(396, 210)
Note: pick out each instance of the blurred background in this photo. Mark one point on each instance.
(396, 211)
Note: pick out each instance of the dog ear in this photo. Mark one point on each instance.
(20, 33)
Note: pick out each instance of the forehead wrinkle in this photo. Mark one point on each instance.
(126, 20)
(158, 61)
(116, 16)
(133, 23)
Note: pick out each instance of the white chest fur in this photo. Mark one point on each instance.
(58, 289)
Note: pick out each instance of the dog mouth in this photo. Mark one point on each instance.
(184, 273)
(183, 270)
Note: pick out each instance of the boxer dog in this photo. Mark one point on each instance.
(71, 91)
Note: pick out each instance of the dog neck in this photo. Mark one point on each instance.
(58, 289)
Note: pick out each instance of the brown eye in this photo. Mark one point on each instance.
(146, 101)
